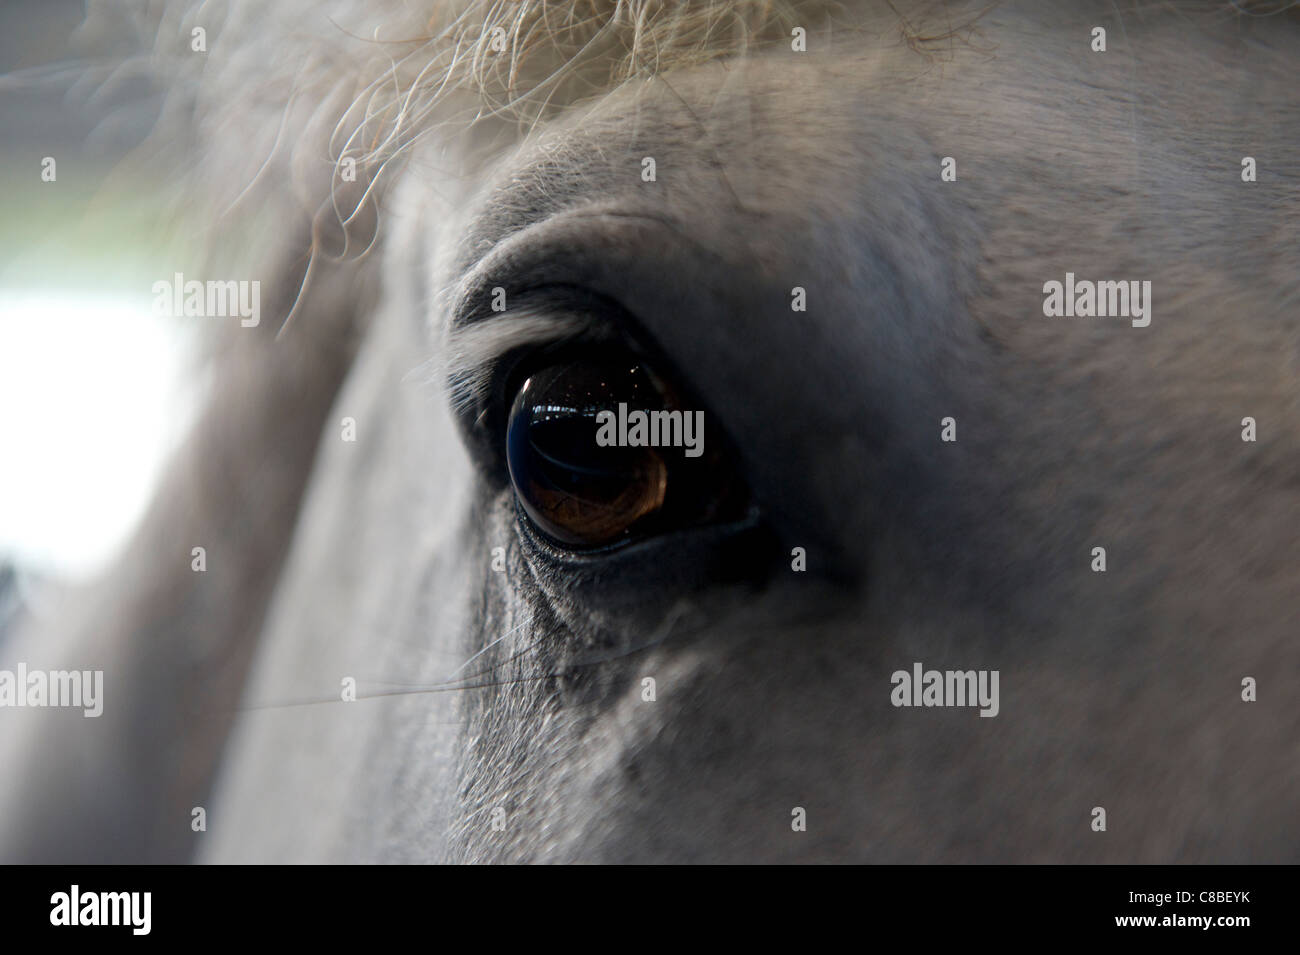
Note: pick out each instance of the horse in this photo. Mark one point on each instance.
(990, 314)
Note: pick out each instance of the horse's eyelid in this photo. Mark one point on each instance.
(475, 352)
(536, 316)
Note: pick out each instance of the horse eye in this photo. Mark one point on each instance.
(601, 450)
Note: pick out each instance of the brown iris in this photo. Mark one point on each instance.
(574, 489)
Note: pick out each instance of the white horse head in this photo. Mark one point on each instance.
(833, 230)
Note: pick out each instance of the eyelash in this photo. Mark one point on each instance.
(481, 397)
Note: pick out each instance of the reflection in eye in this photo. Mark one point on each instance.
(583, 492)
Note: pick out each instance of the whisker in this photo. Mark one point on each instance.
(448, 680)
(450, 688)
(399, 688)
(488, 647)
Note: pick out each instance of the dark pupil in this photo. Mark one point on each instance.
(574, 489)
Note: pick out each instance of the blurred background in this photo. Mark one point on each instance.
(95, 390)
